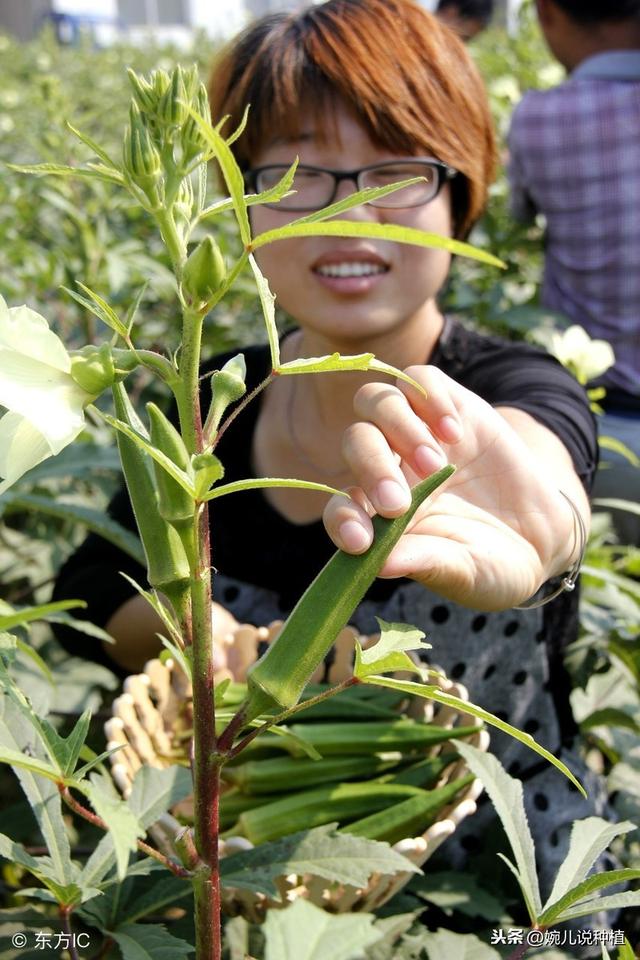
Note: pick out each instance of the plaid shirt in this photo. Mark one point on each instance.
(575, 157)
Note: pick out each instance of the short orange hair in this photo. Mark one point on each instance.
(403, 74)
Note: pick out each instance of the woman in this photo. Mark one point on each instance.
(367, 92)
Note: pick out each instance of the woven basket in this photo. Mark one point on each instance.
(151, 719)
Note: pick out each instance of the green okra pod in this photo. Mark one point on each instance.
(280, 774)
(167, 564)
(279, 677)
(174, 503)
(408, 817)
(378, 736)
(312, 808)
(425, 773)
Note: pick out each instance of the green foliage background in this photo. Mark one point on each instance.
(54, 231)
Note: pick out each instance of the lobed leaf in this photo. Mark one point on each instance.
(389, 653)
(322, 852)
(260, 482)
(305, 932)
(267, 299)
(149, 941)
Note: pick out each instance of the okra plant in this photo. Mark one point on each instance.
(172, 473)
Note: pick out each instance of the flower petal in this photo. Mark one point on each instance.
(28, 333)
(50, 399)
(21, 448)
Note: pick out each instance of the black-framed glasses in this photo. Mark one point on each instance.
(317, 187)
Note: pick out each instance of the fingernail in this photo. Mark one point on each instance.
(354, 537)
(429, 459)
(450, 429)
(390, 495)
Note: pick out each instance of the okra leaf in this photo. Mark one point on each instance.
(355, 200)
(172, 469)
(335, 362)
(33, 655)
(305, 932)
(589, 838)
(429, 692)
(89, 142)
(322, 852)
(389, 653)
(124, 826)
(618, 901)
(463, 946)
(376, 231)
(506, 795)
(18, 618)
(580, 894)
(97, 171)
(149, 941)
(230, 171)
(259, 482)
(267, 300)
(99, 307)
(66, 750)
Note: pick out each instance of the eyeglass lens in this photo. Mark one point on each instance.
(316, 188)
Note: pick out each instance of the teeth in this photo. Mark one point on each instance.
(350, 269)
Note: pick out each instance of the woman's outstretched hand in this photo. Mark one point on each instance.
(497, 529)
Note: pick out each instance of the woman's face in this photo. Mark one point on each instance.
(343, 289)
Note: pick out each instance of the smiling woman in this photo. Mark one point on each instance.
(363, 91)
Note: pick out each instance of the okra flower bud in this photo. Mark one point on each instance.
(141, 157)
(203, 273)
(191, 138)
(96, 368)
(172, 109)
(227, 386)
(208, 469)
(143, 92)
(174, 503)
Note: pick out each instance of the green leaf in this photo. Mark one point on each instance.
(14, 758)
(267, 299)
(589, 838)
(277, 192)
(28, 614)
(95, 520)
(304, 932)
(428, 692)
(610, 717)
(100, 308)
(445, 944)
(97, 149)
(505, 793)
(160, 608)
(167, 891)
(66, 750)
(33, 655)
(42, 794)
(149, 941)
(376, 231)
(124, 827)
(133, 307)
(230, 171)
(458, 892)
(256, 484)
(389, 653)
(172, 469)
(619, 901)
(9, 646)
(95, 171)
(335, 363)
(354, 200)
(323, 852)
(617, 504)
(16, 853)
(579, 894)
(155, 791)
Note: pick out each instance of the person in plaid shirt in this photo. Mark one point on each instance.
(575, 158)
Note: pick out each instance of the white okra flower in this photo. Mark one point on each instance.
(44, 404)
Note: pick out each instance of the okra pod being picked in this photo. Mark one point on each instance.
(279, 677)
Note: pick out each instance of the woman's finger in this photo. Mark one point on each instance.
(405, 432)
(376, 468)
(348, 522)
